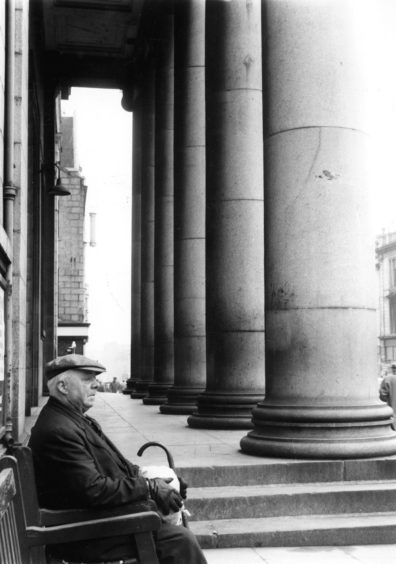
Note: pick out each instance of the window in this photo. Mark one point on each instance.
(389, 354)
(392, 314)
(392, 272)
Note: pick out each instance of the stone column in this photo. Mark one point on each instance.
(321, 390)
(234, 216)
(163, 244)
(49, 237)
(189, 169)
(136, 251)
(147, 236)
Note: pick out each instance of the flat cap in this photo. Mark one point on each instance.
(72, 362)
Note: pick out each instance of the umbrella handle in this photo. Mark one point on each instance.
(168, 454)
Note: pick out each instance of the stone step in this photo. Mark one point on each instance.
(289, 471)
(233, 502)
(313, 530)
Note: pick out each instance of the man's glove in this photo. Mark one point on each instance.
(183, 487)
(166, 497)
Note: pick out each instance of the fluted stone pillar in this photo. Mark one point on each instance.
(163, 245)
(147, 236)
(135, 374)
(189, 187)
(234, 222)
(321, 389)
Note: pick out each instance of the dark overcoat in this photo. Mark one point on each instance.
(76, 465)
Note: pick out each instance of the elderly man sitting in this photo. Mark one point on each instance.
(77, 466)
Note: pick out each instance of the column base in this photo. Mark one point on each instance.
(321, 431)
(130, 387)
(157, 394)
(141, 389)
(179, 409)
(182, 400)
(218, 410)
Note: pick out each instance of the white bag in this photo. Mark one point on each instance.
(164, 472)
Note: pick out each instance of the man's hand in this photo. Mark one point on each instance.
(166, 497)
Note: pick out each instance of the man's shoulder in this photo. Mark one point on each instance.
(389, 378)
(54, 419)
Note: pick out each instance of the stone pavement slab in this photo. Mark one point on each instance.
(372, 554)
(233, 555)
(130, 424)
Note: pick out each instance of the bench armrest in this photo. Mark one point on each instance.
(52, 517)
(96, 528)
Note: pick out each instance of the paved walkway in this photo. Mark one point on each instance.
(377, 554)
(130, 424)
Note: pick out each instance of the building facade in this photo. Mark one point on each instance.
(386, 267)
(253, 292)
(72, 330)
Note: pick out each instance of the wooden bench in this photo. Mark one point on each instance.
(26, 529)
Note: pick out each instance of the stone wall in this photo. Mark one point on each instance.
(20, 181)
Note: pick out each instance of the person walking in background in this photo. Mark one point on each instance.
(388, 390)
(115, 386)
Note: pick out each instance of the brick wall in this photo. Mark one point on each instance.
(71, 275)
(72, 294)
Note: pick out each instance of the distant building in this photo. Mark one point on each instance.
(72, 294)
(386, 267)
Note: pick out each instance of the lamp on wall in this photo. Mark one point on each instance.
(59, 188)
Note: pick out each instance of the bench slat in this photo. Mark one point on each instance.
(7, 488)
(9, 551)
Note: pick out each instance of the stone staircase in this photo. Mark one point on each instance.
(294, 503)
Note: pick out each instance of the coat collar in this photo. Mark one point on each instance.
(67, 410)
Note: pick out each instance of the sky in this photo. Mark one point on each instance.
(103, 140)
(381, 71)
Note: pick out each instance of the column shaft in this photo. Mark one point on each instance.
(147, 236)
(321, 390)
(136, 252)
(163, 245)
(234, 216)
(189, 186)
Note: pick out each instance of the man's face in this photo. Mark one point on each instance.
(81, 389)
